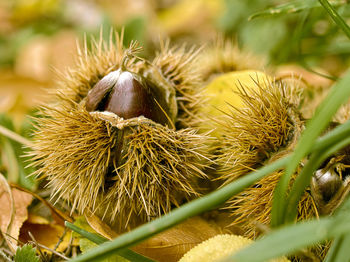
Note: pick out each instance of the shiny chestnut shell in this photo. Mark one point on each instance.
(127, 95)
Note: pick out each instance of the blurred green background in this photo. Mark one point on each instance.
(38, 36)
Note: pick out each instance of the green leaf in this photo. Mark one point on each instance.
(26, 254)
(339, 250)
(289, 239)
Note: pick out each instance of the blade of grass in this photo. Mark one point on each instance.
(303, 179)
(323, 115)
(97, 239)
(202, 204)
(336, 17)
(339, 251)
(289, 239)
(332, 137)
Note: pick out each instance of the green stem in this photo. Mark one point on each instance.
(336, 17)
(339, 250)
(97, 239)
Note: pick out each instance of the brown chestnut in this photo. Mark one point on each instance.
(127, 95)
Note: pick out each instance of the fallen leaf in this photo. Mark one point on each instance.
(57, 215)
(45, 232)
(12, 219)
(100, 227)
(169, 245)
(173, 243)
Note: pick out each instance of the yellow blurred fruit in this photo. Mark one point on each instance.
(222, 91)
(223, 94)
(219, 247)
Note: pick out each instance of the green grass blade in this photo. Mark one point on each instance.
(188, 210)
(339, 251)
(323, 115)
(332, 137)
(289, 239)
(97, 239)
(303, 179)
(336, 17)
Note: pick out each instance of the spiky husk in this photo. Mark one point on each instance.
(75, 149)
(179, 67)
(251, 210)
(224, 56)
(91, 64)
(252, 207)
(267, 122)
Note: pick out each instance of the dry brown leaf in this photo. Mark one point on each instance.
(57, 215)
(100, 227)
(172, 244)
(45, 232)
(11, 223)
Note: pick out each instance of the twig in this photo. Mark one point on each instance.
(61, 238)
(6, 251)
(14, 136)
(54, 210)
(3, 255)
(69, 248)
(37, 245)
(45, 247)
